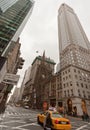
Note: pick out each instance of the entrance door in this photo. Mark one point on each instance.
(69, 104)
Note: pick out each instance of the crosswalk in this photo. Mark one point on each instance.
(17, 114)
(9, 114)
(28, 118)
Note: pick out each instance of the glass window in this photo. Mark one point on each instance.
(82, 85)
(69, 76)
(70, 83)
(74, 70)
(56, 115)
(68, 70)
(77, 84)
(76, 76)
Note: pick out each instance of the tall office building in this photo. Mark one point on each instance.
(5, 4)
(74, 53)
(13, 16)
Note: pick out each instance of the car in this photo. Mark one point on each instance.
(27, 107)
(58, 121)
(17, 105)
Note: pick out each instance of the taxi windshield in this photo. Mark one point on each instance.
(56, 115)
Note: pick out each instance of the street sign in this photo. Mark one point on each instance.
(11, 79)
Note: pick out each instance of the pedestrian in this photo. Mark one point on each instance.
(61, 110)
(85, 116)
(48, 122)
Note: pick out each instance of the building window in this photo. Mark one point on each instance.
(64, 85)
(63, 79)
(68, 92)
(77, 84)
(58, 94)
(82, 85)
(84, 79)
(89, 96)
(65, 93)
(68, 70)
(79, 93)
(74, 70)
(72, 92)
(88, 80)
(86, 86)
(84, 94)
(76, 76)
(79, 71)
(69, 76)
(80, 77)
(70, 83)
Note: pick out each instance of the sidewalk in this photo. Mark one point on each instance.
(78, 118)
(74, 117)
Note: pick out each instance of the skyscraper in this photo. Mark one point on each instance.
(13, 16)
(74, 53)
(5, 4)
(71, 31)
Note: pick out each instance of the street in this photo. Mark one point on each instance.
(17, 118)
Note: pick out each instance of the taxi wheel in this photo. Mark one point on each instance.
(38, 120)
(53, 129)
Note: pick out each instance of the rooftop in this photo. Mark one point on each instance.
(48, 60)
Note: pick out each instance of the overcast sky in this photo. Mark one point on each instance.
(41, 30)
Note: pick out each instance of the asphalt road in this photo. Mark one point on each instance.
(17, 118)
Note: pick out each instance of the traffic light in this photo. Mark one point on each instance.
(20, 63)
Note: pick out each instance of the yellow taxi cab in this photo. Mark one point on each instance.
(59, 122)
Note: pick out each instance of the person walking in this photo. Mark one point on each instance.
(85, 116)
(48, 122)
(61, 110)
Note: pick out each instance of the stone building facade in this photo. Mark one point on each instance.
(74, 53)
(35, 89)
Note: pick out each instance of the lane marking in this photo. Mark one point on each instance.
(81, 127)
(26, 125)
(22, 125)
(20, 128)
(19, 121)
(35, 124)
(3, 126)
(13, 117)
